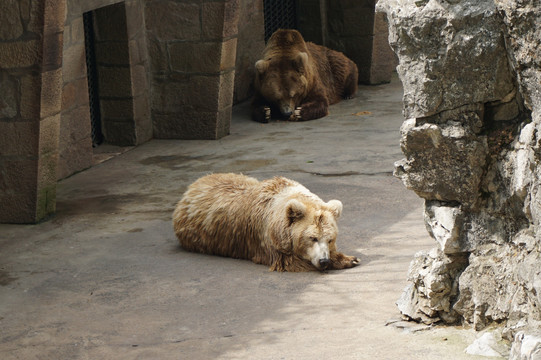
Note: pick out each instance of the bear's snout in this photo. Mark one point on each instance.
(324, 264)
(286, 110)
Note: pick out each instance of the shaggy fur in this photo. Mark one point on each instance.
(276, 222)
(298, 81)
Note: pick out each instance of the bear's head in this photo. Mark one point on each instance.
(283, 80)
(313, 230)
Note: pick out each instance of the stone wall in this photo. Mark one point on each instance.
(192, 45)
(471, 72)
(30, 84)
(250, 45)
(350, 27)
(123, 72)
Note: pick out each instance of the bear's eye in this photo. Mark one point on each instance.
(314, 239)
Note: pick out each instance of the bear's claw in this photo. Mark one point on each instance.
(267, 112)
(296, 115)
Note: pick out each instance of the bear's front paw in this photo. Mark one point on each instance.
(296, 115)
(342, 261)
(267, 113)
(351, 261)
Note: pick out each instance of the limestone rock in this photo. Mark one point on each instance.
(432, 288)
(489, 345)
(443, 161)
(526, 346)
(444, 223)
(471, 73)
(451, 53)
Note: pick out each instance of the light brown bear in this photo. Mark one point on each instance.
(298, 80)
(275, 222)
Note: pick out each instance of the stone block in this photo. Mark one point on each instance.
(204, 93)
(32, 15)
(188, 125)
(169, 20)
(168, 97)
(20, 54)
(17, 208)
(77, 30)
(223, 122)
(47, 166)
(228, 54)
(227, 85)
(383, 62)
(200, 57)
(19, 138)
(142, 118)
(134, 18)
(159, 59)
(220, 19)
(74, 62)
(51, 93)
(75, 94)
(49, 132)
(381, 25)
(75, 157)
(75, 126)
(11, 26)
(198, 92)
(52, 51)
(54, 16)
(18, 179)
(138, 50)
(46, 192)
(139, 80)
(9, 96)
(30, 96)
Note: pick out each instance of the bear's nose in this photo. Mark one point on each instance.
(287, 113)
(324, 263)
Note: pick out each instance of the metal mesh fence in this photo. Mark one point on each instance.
(279, 14)
(92, 75)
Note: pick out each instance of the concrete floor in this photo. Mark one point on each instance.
(105, 279)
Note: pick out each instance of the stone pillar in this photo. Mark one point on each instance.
(31, 35)
(250, 46)
(383, 60)
(192, 45)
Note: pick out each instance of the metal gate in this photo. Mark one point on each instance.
(279, 14)
(92, 76)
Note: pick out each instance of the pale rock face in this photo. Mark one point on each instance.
(471, 71)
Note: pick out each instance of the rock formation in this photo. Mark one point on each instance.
(471, 71)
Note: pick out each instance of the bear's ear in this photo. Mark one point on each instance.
(335, 206)
(261, 66)
(301, 61)
(295, 210)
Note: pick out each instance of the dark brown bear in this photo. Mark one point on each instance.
(298, 81)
